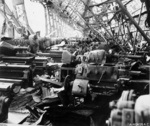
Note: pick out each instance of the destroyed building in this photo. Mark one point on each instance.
(75, 62)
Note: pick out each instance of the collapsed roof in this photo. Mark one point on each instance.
(98, 16)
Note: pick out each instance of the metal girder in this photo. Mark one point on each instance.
(86, 24)
(18, 2)
(66, 19)
(138, 23)
(7, 11)
(46, 18)
(92, 24)
(91, 16)
(24, 15)
(4, 15)
(133, 21)
(128, 2)
(98, 21)
(1, 3)
(106, 2)
(85, 10)
(58, 9)
(102, 25)
(102, 14)
(7, 19)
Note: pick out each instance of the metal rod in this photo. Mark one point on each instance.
(26, 18)
(109, 24)
(105, 2)
(138, 23)
(45, 13)
(129, 33)
(119, 30)
(99, 22)
(128, 2)
(133, 21)
(97, 19)
(123, 26)
(92, 28)
(135, 49)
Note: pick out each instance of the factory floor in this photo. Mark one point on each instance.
(18, 114)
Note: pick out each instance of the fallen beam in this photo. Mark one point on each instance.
(133, 21)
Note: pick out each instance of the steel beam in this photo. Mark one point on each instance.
(85, 10)
(106, 2)
(133, 21)
(99, 22)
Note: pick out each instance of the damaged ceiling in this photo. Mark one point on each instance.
(98, 16)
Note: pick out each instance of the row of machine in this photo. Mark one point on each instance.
(18, 71)
(82, 86)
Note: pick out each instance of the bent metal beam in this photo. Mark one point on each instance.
(133, 21)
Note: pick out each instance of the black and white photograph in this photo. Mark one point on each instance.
(74, 62)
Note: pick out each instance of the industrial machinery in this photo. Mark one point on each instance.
(129, 109)
(122, 113)
(20, 72)
(75, 82)
(4, 105)
(96, 79)
(18, 60)
(40, 65)
(8, 88)
(55, 54)
(85, 84)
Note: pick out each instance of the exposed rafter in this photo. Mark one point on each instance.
(98, 14)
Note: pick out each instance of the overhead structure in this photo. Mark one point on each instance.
(20, 14)
(101, 18)
(14, 19)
